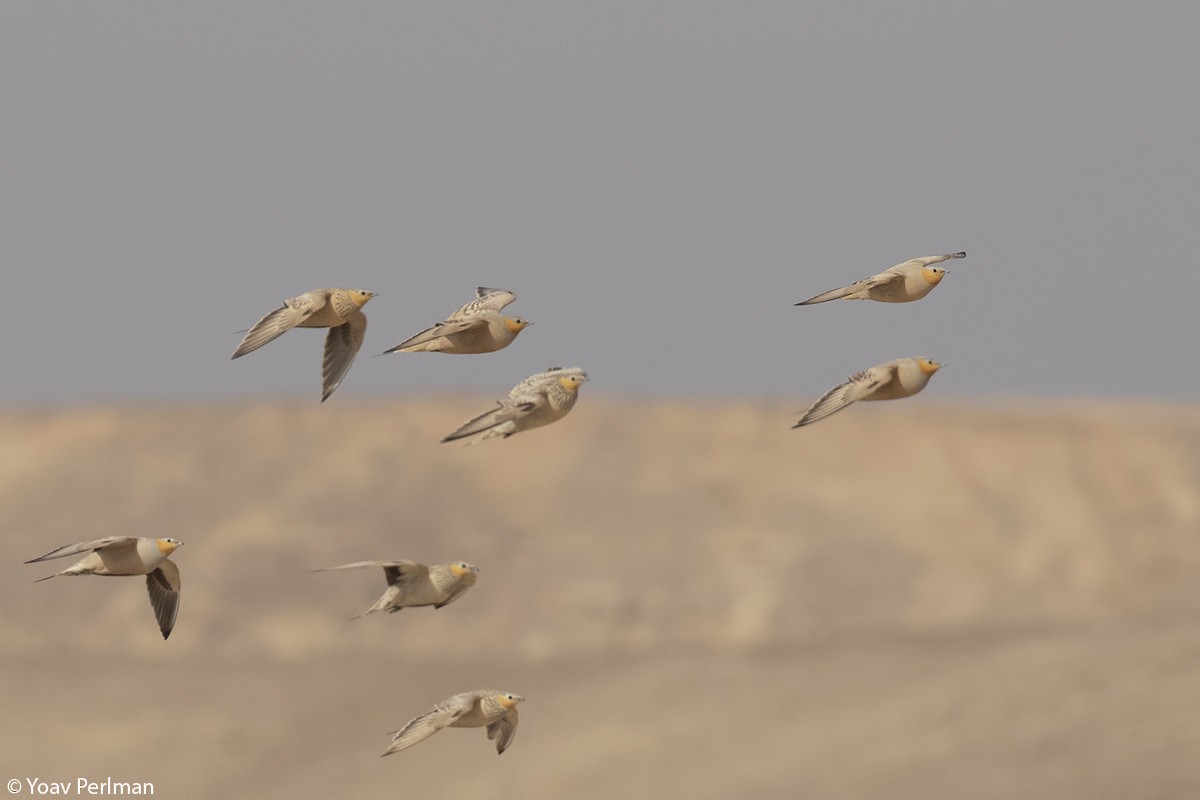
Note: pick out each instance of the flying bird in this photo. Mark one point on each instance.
(129, 555)
(902, 283)
(340, 310)
(411, 584)
(900, 377)
(477, 327)
(496, 710)
(538, 400)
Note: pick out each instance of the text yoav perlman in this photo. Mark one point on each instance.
(85, 786)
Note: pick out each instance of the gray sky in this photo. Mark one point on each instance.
(658, 183)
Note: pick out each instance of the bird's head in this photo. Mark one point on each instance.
(167, 545)
(928, 365)
(516, 324)
(933, 275)
(573, 380)
(508, 699)
(461, 569)
(360, 297)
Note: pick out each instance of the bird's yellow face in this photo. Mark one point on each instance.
(928, 366)
(933, 275)
(167, 546)
(572, 382)
(360, 297)
(508, 699)
(515, 324)
(462, 569)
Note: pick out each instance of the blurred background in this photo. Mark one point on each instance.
(658, 185)
(986, 590)
(906, 599)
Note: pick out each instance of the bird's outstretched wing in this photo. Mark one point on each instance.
(485, 300)
(429, 723)
(504, 729)
(86, 547)
(504, 411)
(857, 387)
(393, 570)
(450, 327)
(925, 261)
(163, 585)
(341, 346)
(293, 311)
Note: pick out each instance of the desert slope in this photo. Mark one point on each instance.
(904, 599)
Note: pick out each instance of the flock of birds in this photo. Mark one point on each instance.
(477, 327)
